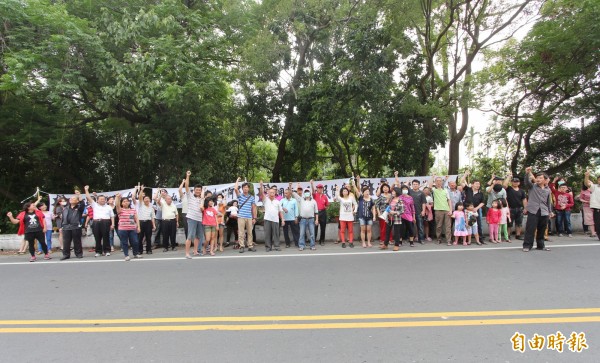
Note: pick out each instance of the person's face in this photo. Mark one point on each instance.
(366, 193)
(345, 192)
(320, 190)
(497, 181)
(73, 200)
(31, 208)
(271, 193)
(452, 185)
(288, 194)
(169, 199)
(438, 183)
(101, 200)
(111, 201)
(211, 203)
(515, 184)
(235, 204)
(385, 188)
(563, 188)
(125, 203)
(539, 180)
(426, 191)
(416, 185)
(476, 185)
(245, 189)
(43, 207)
(146, 200)
(394, 193)
(197, 192)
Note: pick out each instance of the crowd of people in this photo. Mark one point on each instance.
(404, 213)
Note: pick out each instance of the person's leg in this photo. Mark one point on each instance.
(420, 229)
(568, 223)
(30, 238)
(530, 230)
(268, 228)
(135, 244)
(382, 229)
(369, 233)
(397, 235)
(96, 230)
(111, 238)
(311, 232)
(159, 233)
(542, 222)
(173, 234)
(596, 215)
(343, 233)
(388, 234)
(439, 217)
(448, 226)
(165, 234)
(77, 245)
(191, 236)
(286, 233)
(275, 231)
(41, 237)
(221, 236)
(322, 225)
(49, 239)
(185, 225)
(350, 226)
(363, 232)
(301, 240)
(67, 239)
(148, 236)
(124, 237)
(560, 221)
(105, 236)
(480, 225)
(296, 231)
(242, 232)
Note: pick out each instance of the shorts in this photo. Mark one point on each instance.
(210, 229)
(516, 217)
(473, 230)
(195, 229)
(366, 221)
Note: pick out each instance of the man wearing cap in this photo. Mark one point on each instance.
(517, 201)
(322, 204)
(563, 204)
(308, 217)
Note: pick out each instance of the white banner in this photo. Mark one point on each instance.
(125, 193)
(227, 189)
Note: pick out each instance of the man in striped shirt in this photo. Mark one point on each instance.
(246, 215)
(194, 218)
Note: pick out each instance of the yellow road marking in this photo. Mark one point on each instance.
(357, 325)
(303, 317)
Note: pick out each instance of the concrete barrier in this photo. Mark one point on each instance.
(13, 242)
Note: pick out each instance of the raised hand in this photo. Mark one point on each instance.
(9, 214)
(86, 188)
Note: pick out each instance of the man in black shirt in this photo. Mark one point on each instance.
(474, 195)
(517, 201)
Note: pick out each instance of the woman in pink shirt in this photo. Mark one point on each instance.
(408, 216)
(129, 227)
(209, 221)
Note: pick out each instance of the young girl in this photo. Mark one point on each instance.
(504, 218)
(32, 225)
(348, 207)
(129, 227)
(460, 224)
(232, 224)
(209, 221)
(472, 226)
(221, 207)
(493, 219)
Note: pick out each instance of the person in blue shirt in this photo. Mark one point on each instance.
(290, 216)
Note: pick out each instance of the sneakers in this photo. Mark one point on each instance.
(107, 253)
(560, 235)
(351, 245)
(343, 244)
(241, 249)
(252, 249)
(47, 257)
(313, 248)
(301, 249)
(138, 256)
(570, 235)
(32, 259)
(127, 258)
(97, 255)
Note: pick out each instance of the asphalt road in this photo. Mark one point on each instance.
(440, 303)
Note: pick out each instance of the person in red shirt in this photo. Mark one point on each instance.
(562, 205)
(322, 203)
(493, 219)
(32, 225)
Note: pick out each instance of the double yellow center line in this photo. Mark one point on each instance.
(306, 322)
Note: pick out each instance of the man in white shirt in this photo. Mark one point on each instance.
(273, 214)
(104, 222)
(594, 200)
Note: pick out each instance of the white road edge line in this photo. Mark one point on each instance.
(275, 255)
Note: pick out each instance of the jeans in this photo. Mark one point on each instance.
(310, 223)
(48, 241)
(292, 226)
(563, 221)
(126, 237)
(419, 222)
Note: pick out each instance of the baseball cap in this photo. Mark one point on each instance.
(319, 185)
(383, 180)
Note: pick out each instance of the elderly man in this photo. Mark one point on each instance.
(309, 213)
(322, 203)
(539, 209)
(290, 216)
(594, 200)
(71, 226)
(442, 204)
(273, 214)
(170, 221)
(104, 222)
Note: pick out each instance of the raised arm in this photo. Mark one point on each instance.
(88, 197)
(529, 177)
(312, 187)
(141, 194)
(187, 182)
(118, 202)
(181, 189)
(236, 187)
(463, 179)
(396, 179)
(261, 191)
(12, 219)
(587, 181)
(507, 180)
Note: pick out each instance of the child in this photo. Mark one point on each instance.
(460, 225)
(504, 218)
(232, 224)
(493, 219)
(472, 226)
(221, 206)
